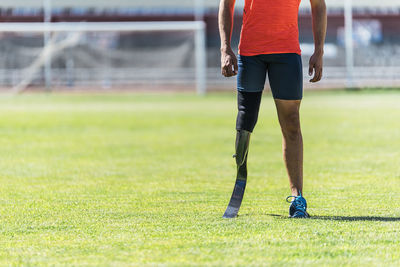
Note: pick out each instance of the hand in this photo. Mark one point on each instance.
(229, 66)
(316, 63)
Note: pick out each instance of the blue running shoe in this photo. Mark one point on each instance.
(298, 207)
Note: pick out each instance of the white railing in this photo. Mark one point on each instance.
(334, 77)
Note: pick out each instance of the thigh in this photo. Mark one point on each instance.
(252, 74)
(285, 74)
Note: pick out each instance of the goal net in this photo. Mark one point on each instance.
(102, 56)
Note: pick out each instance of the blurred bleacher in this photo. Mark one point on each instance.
(137, 7)
(173, 4)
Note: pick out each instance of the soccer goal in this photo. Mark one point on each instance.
(107, 55)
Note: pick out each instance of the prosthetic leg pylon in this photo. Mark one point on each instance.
(242, 148)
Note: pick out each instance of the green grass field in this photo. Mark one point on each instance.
(143, 180)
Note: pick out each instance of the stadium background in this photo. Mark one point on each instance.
(166, 60)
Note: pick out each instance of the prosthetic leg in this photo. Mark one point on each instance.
(248, 106)
(242, 147)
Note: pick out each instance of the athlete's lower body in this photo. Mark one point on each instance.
(286, 82)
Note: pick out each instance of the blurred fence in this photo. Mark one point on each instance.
(113, 60)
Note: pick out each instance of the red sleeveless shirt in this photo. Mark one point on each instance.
(270, 27)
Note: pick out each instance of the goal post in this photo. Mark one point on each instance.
(348, 22)
(198, 27)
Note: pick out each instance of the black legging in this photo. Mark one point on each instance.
(248, 108)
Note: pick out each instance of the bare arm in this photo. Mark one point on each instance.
(319, 19)
(225, 22)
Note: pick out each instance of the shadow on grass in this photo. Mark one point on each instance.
(347, 218)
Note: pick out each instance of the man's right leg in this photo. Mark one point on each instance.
(251, 79)
(248, 108)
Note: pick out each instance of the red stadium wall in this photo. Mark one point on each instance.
(390, 22)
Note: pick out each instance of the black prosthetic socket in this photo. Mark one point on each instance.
(248, 108)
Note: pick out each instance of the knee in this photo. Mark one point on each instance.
(291, 126)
